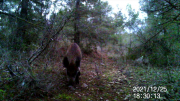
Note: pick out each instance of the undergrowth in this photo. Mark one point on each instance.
(168, 78)
(102, 78)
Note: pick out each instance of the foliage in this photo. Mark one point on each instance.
(155, 77)
(95, 24)
(163, 19)
(156, 36)
(43, 29)
(2, 94)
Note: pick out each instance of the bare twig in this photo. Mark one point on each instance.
(42, 48)
(176, 7)
(162, 28)
(97, 71)
(4, 13)
(9, 68)
(153, 36)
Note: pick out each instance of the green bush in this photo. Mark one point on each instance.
(2, 94)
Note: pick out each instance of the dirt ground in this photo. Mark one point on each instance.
(101, 78)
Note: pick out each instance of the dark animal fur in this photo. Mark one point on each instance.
(72, 61)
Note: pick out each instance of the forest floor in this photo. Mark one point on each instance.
(102, 78)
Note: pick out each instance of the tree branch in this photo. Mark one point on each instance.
(172, 5)
(9, 68)
(41, 49)
(4, 13)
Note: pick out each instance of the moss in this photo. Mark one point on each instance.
(63, 97)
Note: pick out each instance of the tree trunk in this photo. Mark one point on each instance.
(21, 28)
(76, 24)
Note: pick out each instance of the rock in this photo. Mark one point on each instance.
(84, 85)
(71, 87)
(127, 97)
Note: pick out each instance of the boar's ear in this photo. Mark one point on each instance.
(65, 62)
(78, 60)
